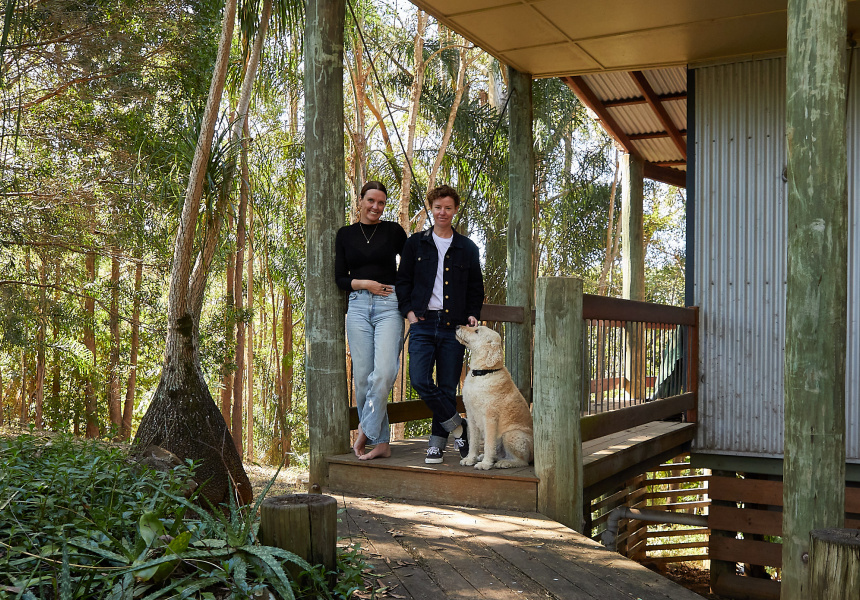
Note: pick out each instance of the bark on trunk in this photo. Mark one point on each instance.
(91, 407)
(286, 397)
(184, 419)
(113, 366)
(239, 375)
(55, 334)
(41, 339)
(414, 100)
(131, 386)
(249, 401)
(229, 341)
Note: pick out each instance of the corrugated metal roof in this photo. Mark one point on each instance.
(620, 98)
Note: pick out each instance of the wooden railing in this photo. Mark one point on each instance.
(612, 402)
(640, 361)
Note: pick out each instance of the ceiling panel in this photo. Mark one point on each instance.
(511, 27)
(556, 59)
(581, 19)
(690, 43)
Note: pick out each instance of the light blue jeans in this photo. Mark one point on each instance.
(374, 328)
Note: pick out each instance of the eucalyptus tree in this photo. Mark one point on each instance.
(82, 95)
(182, 416)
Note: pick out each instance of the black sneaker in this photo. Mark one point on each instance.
(434, 456)
(462, 443)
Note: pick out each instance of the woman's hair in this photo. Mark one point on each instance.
(373, 185)
(443, 191)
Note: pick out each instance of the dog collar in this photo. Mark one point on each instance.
(479, 372)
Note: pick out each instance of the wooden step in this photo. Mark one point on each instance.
(405, 475)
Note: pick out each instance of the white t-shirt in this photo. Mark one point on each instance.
(442, 245)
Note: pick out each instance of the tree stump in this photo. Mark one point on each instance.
(834, 564)
(305, 524)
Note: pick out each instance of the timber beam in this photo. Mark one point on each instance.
(657, 105)
(661, 172)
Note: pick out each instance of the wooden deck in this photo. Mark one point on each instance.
(428, 551)
(404, 475)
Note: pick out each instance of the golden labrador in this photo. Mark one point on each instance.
(498, 416)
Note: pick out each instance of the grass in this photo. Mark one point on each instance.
(79, 520)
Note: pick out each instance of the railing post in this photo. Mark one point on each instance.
(557, 403)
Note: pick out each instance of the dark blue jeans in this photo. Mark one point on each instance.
(433, 344)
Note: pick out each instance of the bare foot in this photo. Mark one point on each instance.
(382, 450)
(360, 441)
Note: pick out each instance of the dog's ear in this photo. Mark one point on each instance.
(494, 352)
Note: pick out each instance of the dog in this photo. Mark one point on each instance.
(499, 420)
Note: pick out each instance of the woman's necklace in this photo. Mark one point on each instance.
(375, 227)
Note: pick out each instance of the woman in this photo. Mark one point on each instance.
(440, 286)
(366, 266)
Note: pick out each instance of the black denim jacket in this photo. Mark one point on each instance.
(463, 285)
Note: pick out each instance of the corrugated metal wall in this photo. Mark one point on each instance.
(740, 261)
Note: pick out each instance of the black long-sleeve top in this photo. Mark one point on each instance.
(376, 259)
(463, 283)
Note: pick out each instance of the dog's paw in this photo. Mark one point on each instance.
(484, 465)
(468, 461)
(505, 464)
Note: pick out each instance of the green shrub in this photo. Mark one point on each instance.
(78, 520)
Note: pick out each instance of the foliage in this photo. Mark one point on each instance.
(78, 520)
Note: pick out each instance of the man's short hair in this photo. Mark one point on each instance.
(443, 191)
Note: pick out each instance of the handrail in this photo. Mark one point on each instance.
(604, 308)
(600, 308)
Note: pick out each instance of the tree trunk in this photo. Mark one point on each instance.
(603, 284)
(41, 340)
(183, 418)
(229, 340)
(418, 66)
(359, 139)
(286, 396)
(131, 386)
(91, 407)
(113, 367)
(55, 334)
(459, 88)
(238, 293)
(249, 401)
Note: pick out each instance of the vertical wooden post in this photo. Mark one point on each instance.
(633, 264)
(557, 402)
(632, 231)
(834, 564)
(325, 367)
(815, 327)
(521, 174)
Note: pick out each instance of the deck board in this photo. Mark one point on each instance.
(430, 551)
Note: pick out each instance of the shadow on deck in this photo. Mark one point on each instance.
(606, 460)
(425, 550)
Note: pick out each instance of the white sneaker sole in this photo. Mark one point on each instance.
(433, 461)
